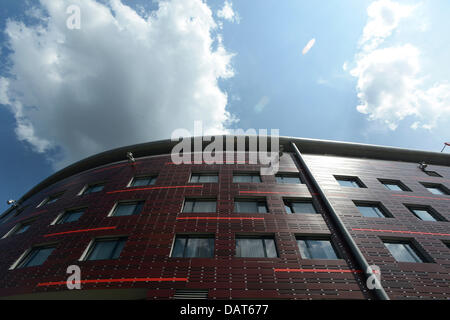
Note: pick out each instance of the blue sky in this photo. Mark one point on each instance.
(66, 94)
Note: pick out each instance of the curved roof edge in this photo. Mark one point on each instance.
(308, 146)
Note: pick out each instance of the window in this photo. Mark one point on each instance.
(424, 213)
(248, 177)
(371, 210)
(18, 229)
(299, 206)
(403, 251)
(93, 188)
(250, 206)
(434, 188)
(204, 177)
(70, 216)
(51, 199)
(107, 248)
(316, 248)
(199, 205)
(256, 247)
(11, 214)
(143, 181)
(36, 257)
(127, 208)
(193, 246)
(285, 178)
(432, 173)
(394, 185)
(352, 182)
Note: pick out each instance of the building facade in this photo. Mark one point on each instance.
(152, 229)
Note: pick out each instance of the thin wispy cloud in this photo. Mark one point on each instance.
(308, 46)
(262, 103)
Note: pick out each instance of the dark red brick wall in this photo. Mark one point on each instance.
(151, 233)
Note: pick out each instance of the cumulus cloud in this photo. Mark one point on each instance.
(390, 79)
(308, 46)
(123, 78)
(262, 103)
(227, 13)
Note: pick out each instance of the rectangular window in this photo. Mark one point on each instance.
(143, 181)
(18, 229)
(256, 247)
(51, 199)
(70, 216)
(353, 182)
(299, 206)
(36, 257)
(435, 188)
(103, 249)
(127, 208)
(93, 188)
(204, 178)
(250, 206)
(371, 209)
(403, 251)
(193, 246)
(394, 185)
(199, 205)
(316, 248)
(425, 213)
(432, 173)
(285, 178)
(246, 178)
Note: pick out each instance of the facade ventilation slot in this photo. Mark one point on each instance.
(190, 294)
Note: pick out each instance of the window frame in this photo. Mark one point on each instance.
(17, 226)
(355, 179)
(91, 185)
(288, 175)
(259, 237)
(318, 237)
(60, 216)
(439, 186)
(198, 199)
(193, 236)
(49, 198)
(430, 210)
(414, 246)
(249, 174)
(199, 174)
(400, 184)
(258, 200)
(363, 203)
(299, 200)
(91, 246)
(120, 202)
(20, 262)
(150, 176)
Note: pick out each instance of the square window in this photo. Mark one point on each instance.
(371, 209)
(70, 216)
(250, 206)
(316, 248)
(352, 182)
(403, 251)
(204, 178)
(394, 185)
(199, 205)
(246, 178)
(425, 213)
(127, 208)
(436, 188)
(143, 181)
(256, 247)
(193, 246)
(93, 188)
(284, 178)
(103, 249)
(299, 206)
(36, 257)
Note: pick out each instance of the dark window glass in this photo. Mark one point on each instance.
(433, 173)
(435, 188)
(244, 178)
(250, 206)
(299, 207)
(71, 215)
(403, 252)
(423, 213)
(93, 188)
(143, 181)
(371, 210)
(193, 247)
(106, 249)
(199, 205)
(254, 247)
(394, 185)
(288, 179)
(316, 249)
(36, 257)
(204, 178)
(22, 228)
(52, 198)
(352, 182)
(128, 208)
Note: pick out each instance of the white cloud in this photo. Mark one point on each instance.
(390, 81)
(262, 103)
(227, 13)
(121, 79)
(308, 46)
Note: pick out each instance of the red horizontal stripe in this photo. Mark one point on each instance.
(420, 197)
(318, 270)
(402, 231)
(112, 280)
(268, 192)
(154, 188)
(220, 218)
(77, 231)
